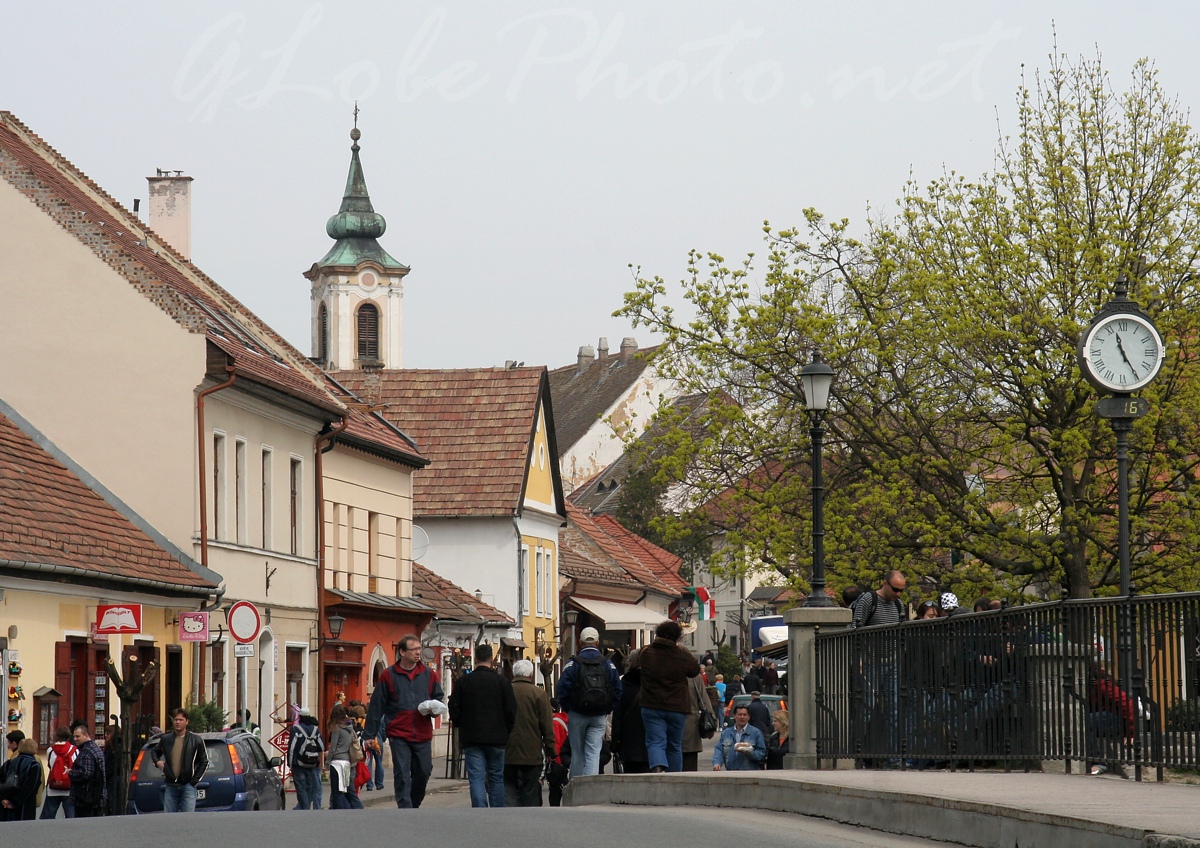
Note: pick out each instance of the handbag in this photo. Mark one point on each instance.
(356, 751)
(708, 724)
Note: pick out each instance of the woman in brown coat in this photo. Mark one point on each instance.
(667, 670)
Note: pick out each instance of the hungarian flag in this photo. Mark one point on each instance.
(706, 607)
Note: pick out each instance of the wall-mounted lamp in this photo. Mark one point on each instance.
(336, 623)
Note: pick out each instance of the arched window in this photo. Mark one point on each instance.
(323, 334)
(368, 331)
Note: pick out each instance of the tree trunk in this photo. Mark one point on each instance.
(129, 690)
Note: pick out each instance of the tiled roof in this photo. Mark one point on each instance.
(474, 425)
(452, 602)
(368, 430)
(153, 267)
(664, 564)
(51, 520)
(655, 569)
(581, 397)
(579, 564)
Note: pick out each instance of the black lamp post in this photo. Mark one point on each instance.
(817, 378)
(335, 626)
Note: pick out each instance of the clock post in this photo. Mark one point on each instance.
(1119, 353)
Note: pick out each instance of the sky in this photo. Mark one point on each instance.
(526, 154)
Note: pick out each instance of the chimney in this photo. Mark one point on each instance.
(628, 348)
(602, 349)
(587, 355)
(171, 209)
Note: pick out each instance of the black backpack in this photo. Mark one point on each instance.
(593, 685)
(308, 752)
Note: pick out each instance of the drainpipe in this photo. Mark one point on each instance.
(201, 438)
(324, 444)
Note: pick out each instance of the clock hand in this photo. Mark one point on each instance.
(1121, 348)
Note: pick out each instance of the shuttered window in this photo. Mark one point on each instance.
(368, 331)
(323, 334)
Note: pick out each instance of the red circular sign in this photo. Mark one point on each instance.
(244, 621)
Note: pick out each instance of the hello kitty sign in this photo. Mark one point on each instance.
(193, 627)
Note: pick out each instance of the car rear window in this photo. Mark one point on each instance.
(218, 761)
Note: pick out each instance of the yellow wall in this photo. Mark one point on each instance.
(539, 487)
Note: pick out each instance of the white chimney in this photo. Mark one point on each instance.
(171, 209)
(587, 355)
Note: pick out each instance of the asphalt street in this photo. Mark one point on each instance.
(595, 827)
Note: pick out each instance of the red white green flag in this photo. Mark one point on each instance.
(706, 607)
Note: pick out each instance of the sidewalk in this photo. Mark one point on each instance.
(437, 784)
(987, 810)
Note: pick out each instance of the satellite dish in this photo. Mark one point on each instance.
(420, 543)
(689, 627)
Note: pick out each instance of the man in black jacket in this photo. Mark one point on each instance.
(183, 759)
(484, 710)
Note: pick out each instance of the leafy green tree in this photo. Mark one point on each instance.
(962, 444)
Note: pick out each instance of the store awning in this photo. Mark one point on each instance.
(618, 616)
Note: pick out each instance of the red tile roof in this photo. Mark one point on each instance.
(50, 518)
(368, 430)
(474, 425)
(651, 566)
(582, 564)
(153, 267)
(450, 601)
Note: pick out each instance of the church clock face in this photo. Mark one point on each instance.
(1121, 352)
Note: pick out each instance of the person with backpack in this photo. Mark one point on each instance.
(588, 689)
(881, 703)
(59, 757)
(343, 758)
(667, 670)
(306, 759)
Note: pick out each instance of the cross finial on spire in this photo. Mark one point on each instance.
(356, 114)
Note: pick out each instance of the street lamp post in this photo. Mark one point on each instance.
(817, 378)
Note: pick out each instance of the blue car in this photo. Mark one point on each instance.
(239, 777)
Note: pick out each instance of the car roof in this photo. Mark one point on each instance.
(209, 736)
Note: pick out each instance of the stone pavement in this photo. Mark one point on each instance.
(438, 784)
(984, 809)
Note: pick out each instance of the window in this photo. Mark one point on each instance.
(294, 506)
(368, 331)
(523, 581)
(539, 582)
(266, 499)
(218, 515)
(551, 587)
(323, 335)
(239, 492)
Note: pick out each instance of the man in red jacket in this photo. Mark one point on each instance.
(406, 697)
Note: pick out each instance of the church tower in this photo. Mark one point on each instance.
(357, 287)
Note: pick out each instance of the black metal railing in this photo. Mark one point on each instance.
(1109, 682)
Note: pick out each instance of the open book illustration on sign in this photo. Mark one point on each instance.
(120, 618)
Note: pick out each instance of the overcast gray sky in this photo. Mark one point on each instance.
(525, 153)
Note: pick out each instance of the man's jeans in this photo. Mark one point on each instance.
(586, 733)
(664, 738)
(53, 802)
(179, 798)
(308, 787)
(412, 763)
(485, 773)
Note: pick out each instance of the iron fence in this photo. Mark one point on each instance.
(1107, 682)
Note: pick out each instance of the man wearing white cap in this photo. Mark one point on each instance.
(588, 690)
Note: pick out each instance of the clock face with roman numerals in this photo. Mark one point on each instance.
(1121, 352)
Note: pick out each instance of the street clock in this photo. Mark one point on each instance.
(1121, 351)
